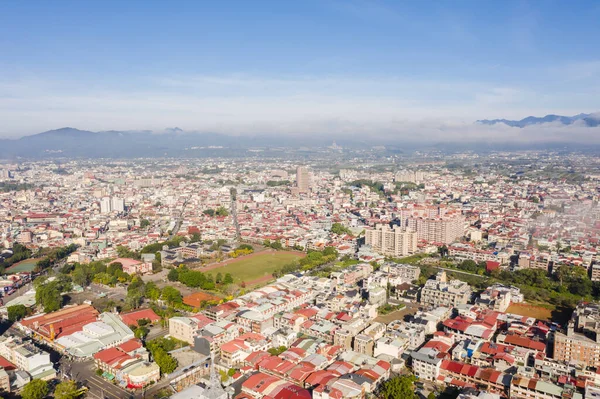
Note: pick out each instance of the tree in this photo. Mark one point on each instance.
(221, 211)
(144, 223)
(48, 295)
(67, 390)
(166, 362)
(16, 312)
(152, 291)
(277, 351)
(141, 332)
(329, 251)
(171, 295)
(228, 279)
(431, 395)
(173, 275)
(398, 387)
(219, 278)
(443, 250)
(209, 212)
(35, 389)
(340, 229)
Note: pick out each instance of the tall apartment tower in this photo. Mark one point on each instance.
(105, 205)
(391, 242)
(118, 204)
(302, 179)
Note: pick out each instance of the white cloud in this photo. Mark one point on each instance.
(243, 104)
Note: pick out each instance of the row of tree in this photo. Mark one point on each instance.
(39, 389)
(56, 255)
(220, 211)
(197, 279)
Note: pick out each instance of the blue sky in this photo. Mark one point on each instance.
(293, 67)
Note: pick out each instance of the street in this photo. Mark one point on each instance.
(85, 372)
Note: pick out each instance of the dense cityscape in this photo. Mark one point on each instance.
(343, 275)
(331, 199)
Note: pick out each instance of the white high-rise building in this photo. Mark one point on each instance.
(105, 205)
(118, 204)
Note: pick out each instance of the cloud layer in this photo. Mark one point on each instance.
(383, 108)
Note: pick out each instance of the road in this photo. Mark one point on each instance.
(178, 222)
(85, 372)
(20, 291)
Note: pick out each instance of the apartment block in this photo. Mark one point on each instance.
(397, 241)
(441, 292)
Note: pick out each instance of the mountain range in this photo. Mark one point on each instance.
(591, 120)
(172, 142)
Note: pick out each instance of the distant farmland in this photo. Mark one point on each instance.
(256, 268)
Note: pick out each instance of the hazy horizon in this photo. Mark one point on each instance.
(342, 68)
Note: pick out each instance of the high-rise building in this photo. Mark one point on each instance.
(391, 242)
(302, 179)
(118, 204)
(105, 205)
(444, 228)
(114, 204)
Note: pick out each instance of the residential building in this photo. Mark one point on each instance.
(388, 241)
(441, 292)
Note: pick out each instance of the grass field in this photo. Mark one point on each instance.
(26, 265)
(257, 266)
(525, 309)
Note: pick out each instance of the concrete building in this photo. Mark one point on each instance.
(533, 388)
(581, 344)
(441, 292)
(302, 179)
(105, 205)
(391, 242)
(441, 229)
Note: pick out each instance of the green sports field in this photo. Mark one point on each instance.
(256, 266)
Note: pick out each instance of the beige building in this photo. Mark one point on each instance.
(302, 179)
(581, 344)
(443, 229)
(364, 344)
(183, 328)
(441, 292)
(391, 242)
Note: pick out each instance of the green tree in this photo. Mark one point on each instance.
(144, 223)
(219, 278)
(228, 279)
(166, 362)
(16, 312)
(67, 390)
(221, 211)
(141, 332)
(398, 387)
(173, 275)
(340, 229)
(152, 291)
(35, 389)
(171, 295)
(209, 212)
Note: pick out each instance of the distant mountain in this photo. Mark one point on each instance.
(591, 120)
(172, 142)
